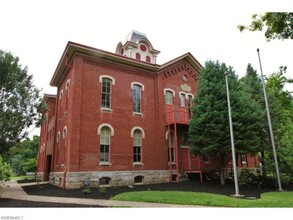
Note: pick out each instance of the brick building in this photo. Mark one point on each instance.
(120, 118)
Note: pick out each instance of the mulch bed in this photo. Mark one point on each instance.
(192, 186)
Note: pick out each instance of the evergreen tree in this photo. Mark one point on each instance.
(209, 127)
(251, 84)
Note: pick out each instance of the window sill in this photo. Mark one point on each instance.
(106, 109)
(137, 164)
(105, 164)
(137, 114)
(173, 163)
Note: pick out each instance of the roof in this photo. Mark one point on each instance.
(135, 36)
(74, 48)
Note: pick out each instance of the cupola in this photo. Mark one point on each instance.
(137, 46)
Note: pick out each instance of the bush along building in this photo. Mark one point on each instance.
(121, 119)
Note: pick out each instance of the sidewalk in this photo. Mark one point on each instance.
(12, 190)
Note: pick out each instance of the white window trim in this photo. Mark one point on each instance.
(183, 93)
(137, 164)
(185, 97)
(64, 134)
(107, 125)
(137, 128)
(169, 90)
(189, 94)
(61, 94)
(67, 84)
(58, 137)
(105, 164)
(101, 77)
(137, 83)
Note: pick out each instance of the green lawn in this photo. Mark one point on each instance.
(270, 199)
(22, 177)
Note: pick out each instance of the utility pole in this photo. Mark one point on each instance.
(270, 124)
(232, 140)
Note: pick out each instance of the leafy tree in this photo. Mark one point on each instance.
(23, 156)
(279, 25)
(281, 107)
(209, 128)
(5, 171)
(19, 100)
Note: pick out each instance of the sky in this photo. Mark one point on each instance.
(38, 31)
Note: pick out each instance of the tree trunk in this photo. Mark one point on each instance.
(222, 168)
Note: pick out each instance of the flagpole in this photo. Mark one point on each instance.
(270, 125)
(232, 140)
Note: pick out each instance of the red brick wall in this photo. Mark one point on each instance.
(87, 112)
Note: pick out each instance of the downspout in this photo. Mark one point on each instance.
(176, 152)
(169, 149)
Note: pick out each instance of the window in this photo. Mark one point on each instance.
(137, 56)
(106, 93)
(184, 139)
(138, 180)
(58, 136)
(105, 144)
(137, 146)
(190, 102)
(105, 181)
(61, 96)
(169, 97)
(64, 135)
(171, 148)
(182, 99)
(243, 159)
(148, 59)
(136, 98)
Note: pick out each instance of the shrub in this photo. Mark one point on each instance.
(102, 190)
(248, 177)
(86, 190)
(5, 171)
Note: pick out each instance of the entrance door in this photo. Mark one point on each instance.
(48, 170)
(185, 159)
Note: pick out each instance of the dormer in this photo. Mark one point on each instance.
(137, 46)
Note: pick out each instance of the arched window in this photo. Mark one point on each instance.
(148, 59)
(182, 99)
(105, 136)
(137, 135)
(64, 134)
(58, 137)
(137, 56)
(106, 92)
(169, 94)
(190, 104)
(136, 90)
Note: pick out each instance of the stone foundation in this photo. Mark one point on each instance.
(109, 178)
(40, 176)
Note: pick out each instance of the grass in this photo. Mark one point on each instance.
(270, 199)
(22, 177)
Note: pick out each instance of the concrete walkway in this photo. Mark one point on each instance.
(13, 190)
